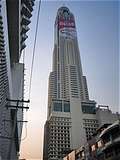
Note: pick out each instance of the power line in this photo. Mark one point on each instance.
(33, 55)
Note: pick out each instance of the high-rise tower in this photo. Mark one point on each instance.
(68, 96)
(14, 21)
(66, 78)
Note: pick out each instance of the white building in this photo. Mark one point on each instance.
(69, 109)
(14, 21)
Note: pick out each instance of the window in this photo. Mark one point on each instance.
(99, 144)
(88, 109)
(93, 147)
(57, 107)
(66, 107)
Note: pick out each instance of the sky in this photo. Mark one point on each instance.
(97, 24)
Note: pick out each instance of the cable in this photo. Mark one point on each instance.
(31, 71)
(33, 56)
(23, 73)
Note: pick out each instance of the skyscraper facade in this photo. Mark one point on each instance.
(69, 107)
(14, 20)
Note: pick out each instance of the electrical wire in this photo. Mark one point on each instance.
(33, 55)
(23, 72)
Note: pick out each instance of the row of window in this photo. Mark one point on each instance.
(57, 124)
(91, 125)
(60, 119)
(60, 142)
(62, 135)
(66, 138)
(90, 120)
(57, 107)
(60, 131)
(58, 147)
(58, 134)
(59, 127)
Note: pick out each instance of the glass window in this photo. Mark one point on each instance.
(66, 107)
(57, 107)
(88, 109)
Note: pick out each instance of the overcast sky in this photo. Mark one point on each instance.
(97, 32)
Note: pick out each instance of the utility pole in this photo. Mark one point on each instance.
(15, 107)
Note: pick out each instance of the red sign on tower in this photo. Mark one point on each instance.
(66, 24)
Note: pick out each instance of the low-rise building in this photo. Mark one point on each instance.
(103, 145)
(110, 142)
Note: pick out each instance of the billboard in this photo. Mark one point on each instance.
(66, 24)
(67, 28)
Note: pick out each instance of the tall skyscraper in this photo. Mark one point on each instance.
(14, 20)
(71, 115)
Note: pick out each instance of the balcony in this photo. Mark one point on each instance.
(25, 11)
(1, 32)
(2, 51)
(1, 20)
(2, 48)
(25, 20)
(2, 44)
(23, 38)
(1, 40)
(29, 4)
(1, 27)
(23, 45)
(24, 29)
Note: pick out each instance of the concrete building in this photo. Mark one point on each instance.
(14, 21)
(104, 144)
(110, 140)
(69, 107)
